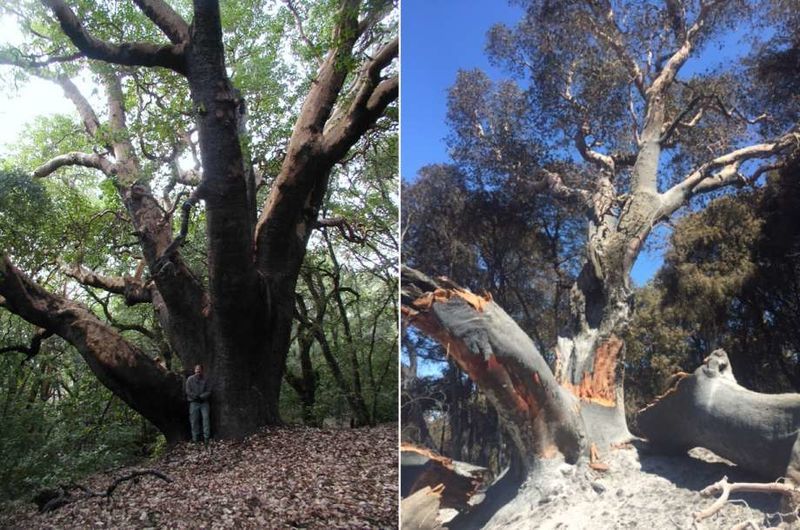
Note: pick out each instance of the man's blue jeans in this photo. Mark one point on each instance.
(197, 411)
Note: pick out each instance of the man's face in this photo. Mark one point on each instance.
(198, 370)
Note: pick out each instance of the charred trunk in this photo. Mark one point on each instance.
(541, 418)
(710, 409)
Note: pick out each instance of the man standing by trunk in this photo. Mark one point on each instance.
(198, 390)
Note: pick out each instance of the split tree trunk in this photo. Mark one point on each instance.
(542, 418)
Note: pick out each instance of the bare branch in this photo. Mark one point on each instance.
(299, 23)
(599, 159)
(555, 184)
(723, 488)
(135, 291)
(32, 349)
(704, 178)
(170, 22)
(120, 326)
(15, 57)
(132, 54)
(74, 159)
(85, 110)
(353, 232)
(670, 129)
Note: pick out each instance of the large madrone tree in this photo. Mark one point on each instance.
(615, 117)
(187, 82)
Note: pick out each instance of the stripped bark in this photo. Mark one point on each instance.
(542, 418)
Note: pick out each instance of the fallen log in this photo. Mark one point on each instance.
(758, 432)
(421, 509)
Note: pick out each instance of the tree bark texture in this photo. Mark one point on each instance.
(240, 325)
(542, 418)
(708, 408)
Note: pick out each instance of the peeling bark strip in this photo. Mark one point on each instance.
(758, 432)
(542, 418)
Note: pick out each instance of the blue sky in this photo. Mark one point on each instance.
(440, 37)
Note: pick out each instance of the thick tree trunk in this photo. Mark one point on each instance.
(708, 408)
(590, 355)
(244, 336)
(240, 326)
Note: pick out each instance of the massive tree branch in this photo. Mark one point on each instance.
(170, 22)
(541, 417)
(130, 54)
(723, 171)
(319, 103)
(710, 409)
(120, 366)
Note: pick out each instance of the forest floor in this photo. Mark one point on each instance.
(279, 478)
(639, 491)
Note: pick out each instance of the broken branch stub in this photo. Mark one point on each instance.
(422, 468)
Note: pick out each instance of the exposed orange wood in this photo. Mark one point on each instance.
(442, 295)
(594, 459)
(599, 386)
(673, 382)
(455, 486)
(424, 451)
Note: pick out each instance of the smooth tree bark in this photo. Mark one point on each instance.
(239, 326)
(708, 408)
(580, 402)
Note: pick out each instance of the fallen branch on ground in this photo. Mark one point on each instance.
(723, 488)
(51, 500)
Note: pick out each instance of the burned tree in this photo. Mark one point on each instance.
(237, 322)
(643, 141)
